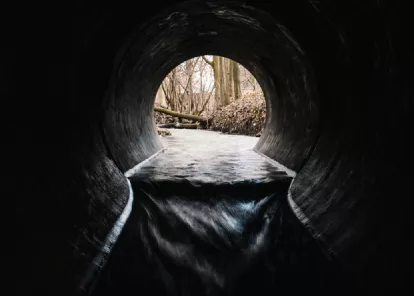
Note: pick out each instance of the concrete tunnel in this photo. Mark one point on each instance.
(338, 81)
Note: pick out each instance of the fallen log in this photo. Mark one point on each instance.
(167, 125)
(187, 125)
(180, 115)
(179, 125)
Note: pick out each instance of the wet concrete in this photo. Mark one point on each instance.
(205, 223)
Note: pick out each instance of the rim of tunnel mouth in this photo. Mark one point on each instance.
(186, 51)
(278, 64)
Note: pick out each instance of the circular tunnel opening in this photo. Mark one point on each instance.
(210, 93)
(209, 111)
(244, 34)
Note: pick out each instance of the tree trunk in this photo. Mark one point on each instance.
(231, 80)
(221, 79)
(187, 125)
(166, 125)
(189, 67)
(217, 78)
(179, 125)
(223, 82)
(236, 80)
(180, 115)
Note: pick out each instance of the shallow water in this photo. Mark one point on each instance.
(207, 157)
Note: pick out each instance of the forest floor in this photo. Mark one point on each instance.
(245, 116)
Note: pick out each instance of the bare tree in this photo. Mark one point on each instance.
(191, 86)
(236, 80)
(249, 81)
(221, 81)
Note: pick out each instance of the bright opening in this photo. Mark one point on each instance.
(210, 92)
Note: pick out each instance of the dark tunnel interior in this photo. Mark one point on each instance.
(338, 81)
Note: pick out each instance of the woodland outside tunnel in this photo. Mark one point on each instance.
(338, 83)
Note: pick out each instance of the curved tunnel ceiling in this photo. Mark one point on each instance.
(242, 33)
(338, 88)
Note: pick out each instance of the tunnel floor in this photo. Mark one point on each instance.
(210, 217)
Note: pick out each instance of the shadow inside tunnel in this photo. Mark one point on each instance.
(228, 239)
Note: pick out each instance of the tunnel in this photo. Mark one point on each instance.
(338, 82)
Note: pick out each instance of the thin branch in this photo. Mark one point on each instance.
(207, 61)
(208, 99)
(167, 97)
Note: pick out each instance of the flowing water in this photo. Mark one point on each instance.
(208, 157)
(210, 217)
